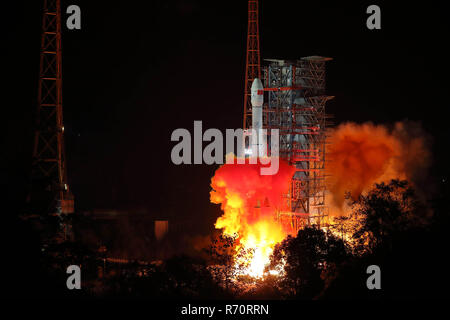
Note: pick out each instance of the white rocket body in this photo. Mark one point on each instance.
(258, 139)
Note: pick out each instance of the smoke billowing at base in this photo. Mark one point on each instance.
(360, 155)
(250, 201)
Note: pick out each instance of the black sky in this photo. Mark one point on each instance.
(137, 70)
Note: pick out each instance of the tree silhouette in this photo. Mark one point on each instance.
(393, 229)
(222, 254)
(307, 258)
(383, 213)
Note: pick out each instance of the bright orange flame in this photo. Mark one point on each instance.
(250, 201)
(361, 156)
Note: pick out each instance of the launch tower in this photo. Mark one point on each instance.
(252, 65)
(296, 107)
(294, 91)
(50, 192)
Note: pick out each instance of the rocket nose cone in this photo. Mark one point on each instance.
(257, 97)
(257, 85)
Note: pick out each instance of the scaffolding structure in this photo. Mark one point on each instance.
(50, 192)
(252, 64)
(296, 107)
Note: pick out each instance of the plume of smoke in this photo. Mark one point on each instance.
(249, 199)
(363, 154)
(415, 153)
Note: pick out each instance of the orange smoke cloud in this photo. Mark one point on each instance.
(363, 154)
(249, 202)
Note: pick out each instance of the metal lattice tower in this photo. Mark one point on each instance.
(296, 107)
(49, 188)
(252, 66)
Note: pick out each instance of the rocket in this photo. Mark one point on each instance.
(257, 100)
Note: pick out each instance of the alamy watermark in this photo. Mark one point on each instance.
(73, 22)
(74, 280)
(214, 152)
(373, 22)
(374, 280)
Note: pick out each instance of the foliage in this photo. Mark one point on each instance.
(384, 212)
(222, 265)
(180, 277)
(306, 258)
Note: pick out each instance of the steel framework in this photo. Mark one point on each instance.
(49, 188)
(252, 66)
(296, 107)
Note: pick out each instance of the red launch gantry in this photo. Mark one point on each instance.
(50, 192)
(252, 66)
(294, 95)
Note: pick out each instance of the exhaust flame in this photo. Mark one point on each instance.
(361, 155)
(249, 202)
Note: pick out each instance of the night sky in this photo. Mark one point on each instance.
(137, 70)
